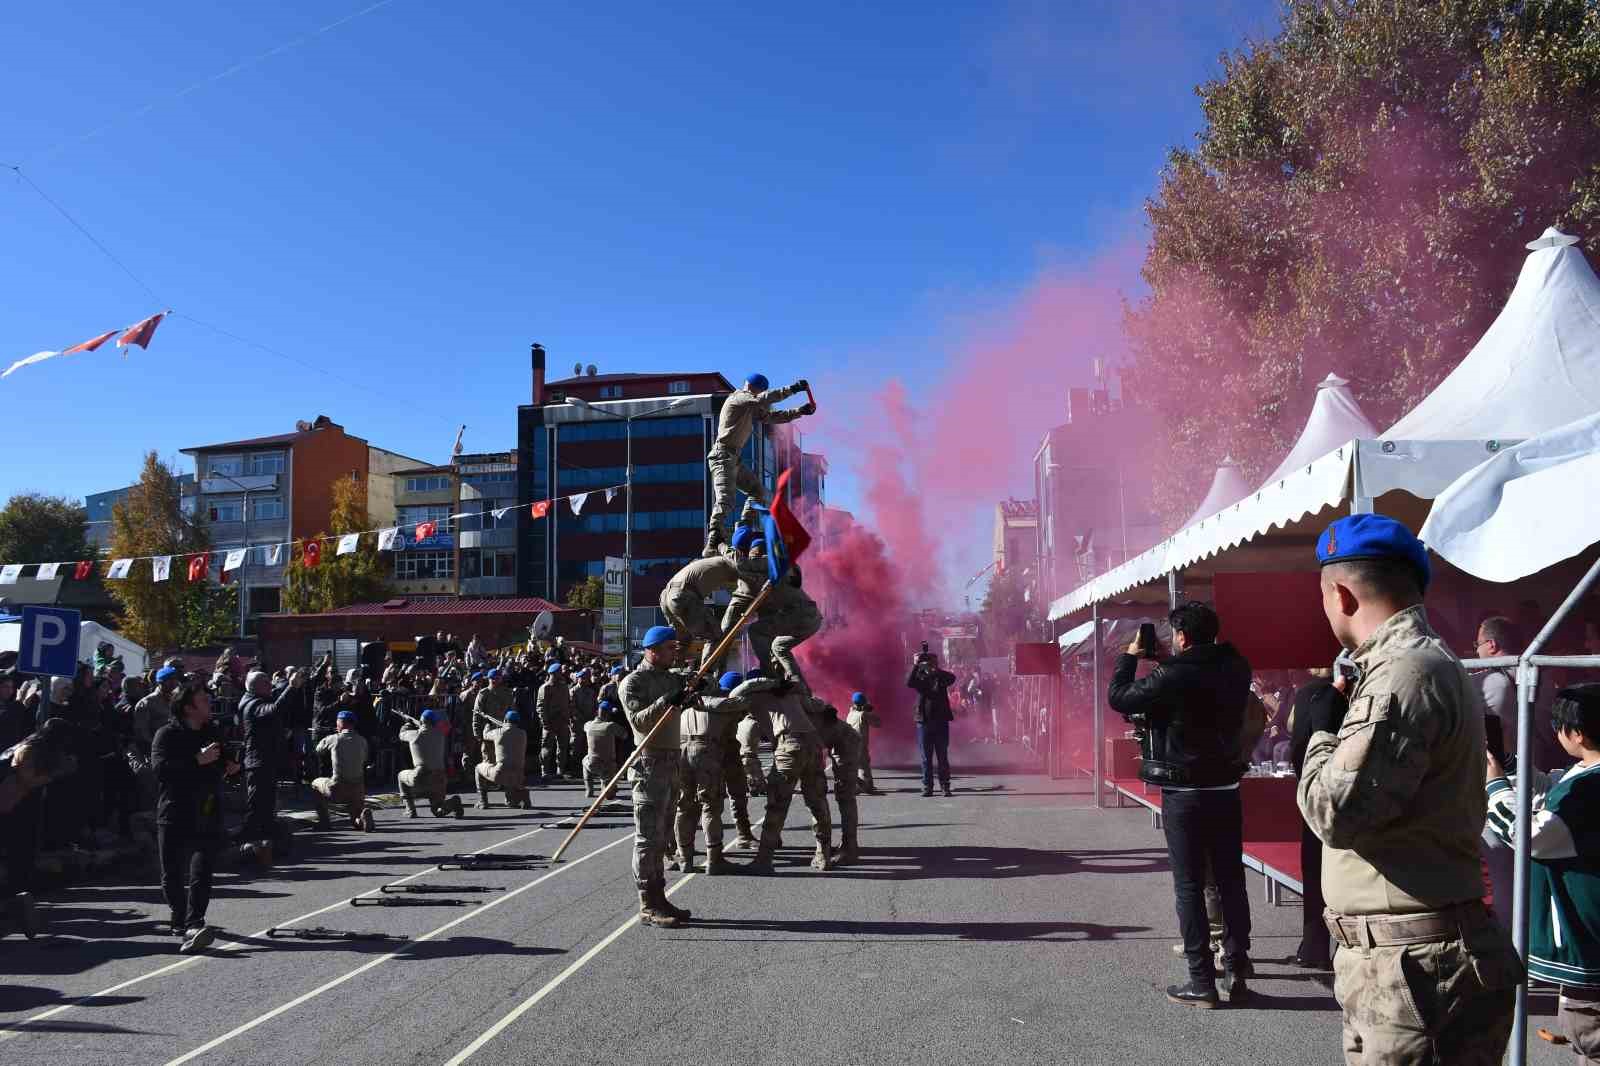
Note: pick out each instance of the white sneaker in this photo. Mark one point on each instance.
(197, 940)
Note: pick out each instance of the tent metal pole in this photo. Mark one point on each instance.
(1097, 732)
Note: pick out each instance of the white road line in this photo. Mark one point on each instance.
(359, 970)
(555, 982)
(14, 1029)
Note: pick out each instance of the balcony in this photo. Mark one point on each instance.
(223, 486)
(488, 586)
(488, 538)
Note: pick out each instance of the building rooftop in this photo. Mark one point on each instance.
(607, 379)
(440, 605)
(1020, 508)
(302, 429)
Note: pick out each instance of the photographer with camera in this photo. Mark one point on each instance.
(1191, 709)
(932, 686)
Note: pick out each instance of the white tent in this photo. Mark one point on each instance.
(1491, 521)
(1336, 418)
(1228, 487)
(90, 635)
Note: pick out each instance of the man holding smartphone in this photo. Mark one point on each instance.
(932, 686)
(1193, 708)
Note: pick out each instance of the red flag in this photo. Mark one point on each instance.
(787, 539)
(90, 345)
(426, 529)
(312, 554)
(198, 565)
(82, 571)
(540, 509)
(140, 332)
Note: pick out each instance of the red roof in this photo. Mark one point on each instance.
(436, 605)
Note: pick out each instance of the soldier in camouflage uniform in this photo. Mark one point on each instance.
(555, 718)
(707, 736)
(844, 748)
(796, 761)
(749, 404)
(864, 719)
(585, 699)
(788, 618)
(649, 694)
(1424, 974)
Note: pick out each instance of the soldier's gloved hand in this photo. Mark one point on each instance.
(784, 686)
(808, 408)
(802, 385)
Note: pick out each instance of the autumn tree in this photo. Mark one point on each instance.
(338, 580)
(1004, 616)
(35, 528)
(151, 522)
(1357, 202)
(588, 594)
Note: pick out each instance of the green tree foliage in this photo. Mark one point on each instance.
(151, 521)
(338, 580)
(1005, 613)
(589, 594)
(35, 528)
(207, 614)
(1357, 202)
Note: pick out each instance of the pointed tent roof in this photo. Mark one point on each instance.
(1335, 419)
(1537, 367)
(1228, 487)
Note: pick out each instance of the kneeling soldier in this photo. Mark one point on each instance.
(347, 752)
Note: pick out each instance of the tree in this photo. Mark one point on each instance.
(338, 580)
(1003, 618)
(207, 614)
(151, 521)
(35, 528)
(1357, 202)
(588, 594)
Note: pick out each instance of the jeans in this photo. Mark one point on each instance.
(1202, 825)
(184, 853)
(261, 803)
(934, 740)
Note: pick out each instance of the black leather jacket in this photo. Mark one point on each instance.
(1193, 705)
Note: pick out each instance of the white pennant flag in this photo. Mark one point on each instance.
(119, 569)
(386, 538)
(161, 567)
(47, 571)
(500, 513)
(348, 543)
(234, 559)
(578, 501)
(9, 573)
(274, 554)
(611, 494)
(455, 450)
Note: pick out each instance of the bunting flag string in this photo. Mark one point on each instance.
(139, 333)
(161, 567)
(578, 501)
(9, 573)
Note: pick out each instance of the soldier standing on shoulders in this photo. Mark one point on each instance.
(747, 405)
(1425, 974)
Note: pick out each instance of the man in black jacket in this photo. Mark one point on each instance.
(189, 762)
(1193, 707)
(932, 686)
(265, 721)
(1319, 707)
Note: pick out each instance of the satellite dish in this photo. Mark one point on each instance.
(591, 370)
(577, 370)
(543, 626)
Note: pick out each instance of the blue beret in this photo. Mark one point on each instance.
(476, 676)
(605, 705)
(1373, 536)
(658, 635)
(615, 670)
(757, 382)
(750, 675)
(730, 680)
(492, 674)
(346, 716)
(858, 697)
(513, 716)
(166, 672)
(553, 668)
(430, 717)
(742, 538)
(758, 542)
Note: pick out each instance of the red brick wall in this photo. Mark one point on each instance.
(319, 458)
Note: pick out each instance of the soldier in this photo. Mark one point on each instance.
(585, 701)
(683, 601)
(796, 760)
(426, 778)
(1425, 974)
(788, 618)
(347, 750)
(752, 730)
(844, 749)
(751, 566)
(509, 770)
(490, 698)
(863, 719)
(650, 693)
(707, 738)
(555, 717)
(603, 735)
(740, 412)
(611, 693)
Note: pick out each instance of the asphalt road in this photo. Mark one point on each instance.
(1011, 923)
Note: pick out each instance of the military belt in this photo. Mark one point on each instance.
(1396, 930)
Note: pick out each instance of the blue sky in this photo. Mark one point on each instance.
(409, 199)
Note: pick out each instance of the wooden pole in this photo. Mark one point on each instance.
(672, 712)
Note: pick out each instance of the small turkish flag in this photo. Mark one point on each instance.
(198, 565)
(540, 509)
(312, 554)
(91, 344)
(426, 529)
(82, 571)
(140, 332)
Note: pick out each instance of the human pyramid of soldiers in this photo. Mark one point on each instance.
(698, 729)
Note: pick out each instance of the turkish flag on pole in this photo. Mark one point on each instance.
(540, 509)
(198, 565)
(312, 554)
(91, 344)
(140, 332)
(82, 571)
(426, 529)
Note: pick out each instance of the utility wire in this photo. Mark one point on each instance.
(137, 280)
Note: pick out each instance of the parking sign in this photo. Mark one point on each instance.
(49, 642)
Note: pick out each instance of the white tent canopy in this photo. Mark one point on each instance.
(90, 635)
(1336, 418)
(1228, 487)
(1490, 522)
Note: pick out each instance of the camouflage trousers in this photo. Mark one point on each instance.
(728, 473)
(774, 638)
(655, 795)
(735, 783)
(700, 795)
(423, 784)
(597, 772)
(796, 760)
(1439, 1004)
(557, 743)
(688, 614)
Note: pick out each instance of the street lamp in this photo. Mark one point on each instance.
(627, 522)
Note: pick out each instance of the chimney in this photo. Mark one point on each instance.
(538, 375)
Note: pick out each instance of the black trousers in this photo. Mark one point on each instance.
(187, 860)
(1201, 826)
(19, 840)
(261, 803)
(1316, 945)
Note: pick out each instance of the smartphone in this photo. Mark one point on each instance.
(1147, 637)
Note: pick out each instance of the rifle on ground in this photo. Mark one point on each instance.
(492, 862)
(406, 901)
(436, 890)
(318, 932)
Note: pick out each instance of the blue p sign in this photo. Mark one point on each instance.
(49, 642)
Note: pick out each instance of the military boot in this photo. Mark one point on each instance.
(483, 799)
(411, 808)
(716, 865)
(821, 860)
(761, 865)
(323, 819)
(684, 835)
(453, 805)
(666, 906)
(713, 542)
(847, 853)
(649, 915)
(744, 839)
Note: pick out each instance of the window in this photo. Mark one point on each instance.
(427, 512)
(678, 388)
(611, 392)
(505, 564)
(264, 463)
(226, 510)
(421, 566)
(616, 522)
(264, 507)
(431, 483)
(470, 565)
(491, 477)
(224, 466)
